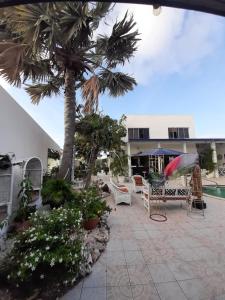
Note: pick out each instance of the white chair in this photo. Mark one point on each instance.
(139, 183)
(121, 193)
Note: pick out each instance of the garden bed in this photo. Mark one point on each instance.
(54, 284)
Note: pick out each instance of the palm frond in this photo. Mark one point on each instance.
(11, 61)
(122, 43)
(41, 90)
(90, 93)
(36, 70)
(116, 83)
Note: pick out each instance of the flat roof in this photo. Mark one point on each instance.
(180, 140)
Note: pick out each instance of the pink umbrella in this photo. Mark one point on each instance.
(180, 165)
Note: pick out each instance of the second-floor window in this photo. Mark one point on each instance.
(178, 133)
(138, 133)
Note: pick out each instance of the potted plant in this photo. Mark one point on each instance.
(92, 207)
(91, 221)
(21, 221)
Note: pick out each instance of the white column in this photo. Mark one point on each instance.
(214, 159)
(159, 145)
(129, 160)
(185, 147)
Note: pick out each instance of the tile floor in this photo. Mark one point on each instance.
(182, 258)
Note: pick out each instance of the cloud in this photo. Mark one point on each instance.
(176, 41)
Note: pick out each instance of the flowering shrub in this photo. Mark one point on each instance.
(53, 241)
(89, 202)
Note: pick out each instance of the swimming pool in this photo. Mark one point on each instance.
(217, 191)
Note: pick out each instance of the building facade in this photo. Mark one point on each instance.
(175, 132)
(20, 135)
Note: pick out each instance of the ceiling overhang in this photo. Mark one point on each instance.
(216, 7)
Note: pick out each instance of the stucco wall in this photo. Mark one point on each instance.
(138, 147)
(158, 125)
(20, 134)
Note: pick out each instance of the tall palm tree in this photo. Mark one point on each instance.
(51, 48)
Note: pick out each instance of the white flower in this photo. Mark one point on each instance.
(36, 259)
(52, 263)
(42, 276)
(60, 260)
(19, 273)
(8, 276)
(65, 282)
(32, 254)
(33, 268)
(47, 248)
(73, 280)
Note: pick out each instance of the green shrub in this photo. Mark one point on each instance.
(53, 243)
(25, 197)
(90, 203)
(56, 192)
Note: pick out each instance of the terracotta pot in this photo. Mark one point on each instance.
(91, 223)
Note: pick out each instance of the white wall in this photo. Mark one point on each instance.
(158, 125)
(136, 147)
(20, 134)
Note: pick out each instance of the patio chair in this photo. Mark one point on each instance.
(120, 192)
(139, 183)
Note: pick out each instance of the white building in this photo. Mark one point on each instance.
(27, 145)
(175, 132)
(20, 134)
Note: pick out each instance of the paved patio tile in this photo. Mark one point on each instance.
(115, 258)
(170, 291)
(134, 257)
(183, 258)
(96, 279)
(93, 294)
(130, 245)
(115, 245)
(152, 256)
(141, 234)
(139, 274)
(203, 288)
(145, 292)
(74, 293)
(119, 293)
(117, 276)
(188, 254)
(161, 273)
(182, 270)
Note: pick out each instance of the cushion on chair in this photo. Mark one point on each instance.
(123, 189)
(138, 180)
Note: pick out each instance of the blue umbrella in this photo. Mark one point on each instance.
(158, 152)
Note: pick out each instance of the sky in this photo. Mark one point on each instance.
(179, 67)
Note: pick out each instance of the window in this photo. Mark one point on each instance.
(138, 133)
(178, 133)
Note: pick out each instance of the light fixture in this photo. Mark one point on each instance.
(156, 9)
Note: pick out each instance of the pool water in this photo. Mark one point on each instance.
(218, 191)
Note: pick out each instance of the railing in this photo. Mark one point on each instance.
(221, 171)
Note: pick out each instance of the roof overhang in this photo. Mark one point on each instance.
(195, 140)
(216, 7)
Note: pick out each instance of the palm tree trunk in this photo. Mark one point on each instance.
(91, 164)
(69, 125)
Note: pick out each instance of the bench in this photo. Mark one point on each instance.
(120, 192)
(178, 193)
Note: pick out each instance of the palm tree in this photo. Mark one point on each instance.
(50, 47)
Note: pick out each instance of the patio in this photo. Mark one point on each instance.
(183, 258)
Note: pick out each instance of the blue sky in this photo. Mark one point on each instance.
(179, 66)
